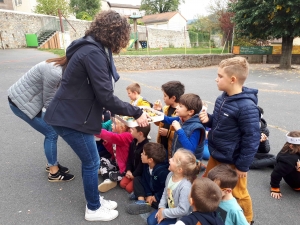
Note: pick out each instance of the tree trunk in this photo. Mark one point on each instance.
(286, 55)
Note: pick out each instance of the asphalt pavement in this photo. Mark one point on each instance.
(27, 198)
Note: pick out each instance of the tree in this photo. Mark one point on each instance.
(50, 7)
(160, 6)
(85, 8)
(268, 19)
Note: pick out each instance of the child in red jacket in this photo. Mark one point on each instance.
(117, 144)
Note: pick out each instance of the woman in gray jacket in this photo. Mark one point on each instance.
(29, 97)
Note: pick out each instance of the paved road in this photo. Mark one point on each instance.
(27, 198)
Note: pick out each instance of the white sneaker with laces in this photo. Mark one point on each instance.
(108, 203)
(101, 214)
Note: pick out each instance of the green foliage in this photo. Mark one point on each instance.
(267, 19)
(83, 16)
(50, 7)
(160, 6)
(90, 7)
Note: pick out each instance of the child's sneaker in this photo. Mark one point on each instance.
(139, 207)
(106, 185)
(60, 167)
(115, 176)
(101, 214)
(132, 196)
(108, 203)
(60, 176)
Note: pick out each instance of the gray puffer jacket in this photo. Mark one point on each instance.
(36, 88)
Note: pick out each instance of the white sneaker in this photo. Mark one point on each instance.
(101, 214)
(106, 185)
(108, 203)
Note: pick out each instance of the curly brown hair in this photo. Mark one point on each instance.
(111, 29)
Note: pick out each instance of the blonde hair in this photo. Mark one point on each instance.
(236, 66)
(134, 87)
(122, 125)
(189, 164)
(295, 149)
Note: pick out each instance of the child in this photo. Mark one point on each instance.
(174, 202)
(229, 210)
(149, 187)
(204, 198)
(287, 165)
(134, 93)
(189, 132)
(234, 137)
(172, 91)
(117, 143)
(263, 158)
(134, 165)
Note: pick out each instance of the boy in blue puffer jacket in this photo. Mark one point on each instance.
(189, 131)
(235, 134)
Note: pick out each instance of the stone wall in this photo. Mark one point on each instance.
(14, 26)
(133, 63)
(166, 38)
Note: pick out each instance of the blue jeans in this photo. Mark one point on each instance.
(38, 123)
(151, 220)
(84, 145)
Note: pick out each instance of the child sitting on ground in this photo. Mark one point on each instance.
(229, 210)
(287, 165)
(189, 131)
(149, 187)
(204, 198)
(134, 166)
(172, 92)
(263, 158)
(134, 93)
(117, 143)
(174, 202)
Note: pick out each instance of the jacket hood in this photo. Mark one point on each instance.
(247, 93)
(211, 218)
(86, 40)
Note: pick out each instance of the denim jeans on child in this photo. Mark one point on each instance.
(38, 123)
(151, 220)
(84, 146)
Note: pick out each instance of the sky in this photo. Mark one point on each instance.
(190, 9)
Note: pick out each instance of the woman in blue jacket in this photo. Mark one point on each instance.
(86, 88)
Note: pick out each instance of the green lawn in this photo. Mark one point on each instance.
(164, 51)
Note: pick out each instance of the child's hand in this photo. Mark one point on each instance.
(241, 174)
(203, 116)
(159, 215)
(128, 174)
(150, 199)
(276, 195)
(263, 137)
(298, 166)
(176, 125)
(157, 105)
(163, 132)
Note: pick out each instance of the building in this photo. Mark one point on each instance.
(166, 21)
(124, 9)
(18, 5)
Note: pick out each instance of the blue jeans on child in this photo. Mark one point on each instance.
(151, 220)
(38, 123)
(84, 146)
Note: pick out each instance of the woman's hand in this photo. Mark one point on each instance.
(142, 121)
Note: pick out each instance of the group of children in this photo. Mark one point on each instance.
(163, 175)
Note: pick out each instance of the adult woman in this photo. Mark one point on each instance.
(28, 96)
(87, 86)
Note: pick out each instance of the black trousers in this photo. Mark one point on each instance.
(139, 190)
